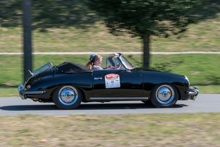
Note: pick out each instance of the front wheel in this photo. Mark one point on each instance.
(67, 97)
(164, 96)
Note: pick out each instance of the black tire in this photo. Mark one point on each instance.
(164, 96)
(67, 97)
(147, 102)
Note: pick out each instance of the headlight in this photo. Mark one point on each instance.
(187, 79)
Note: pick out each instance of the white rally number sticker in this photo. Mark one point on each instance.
(112, 81)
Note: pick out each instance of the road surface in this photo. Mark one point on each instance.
(17, 106)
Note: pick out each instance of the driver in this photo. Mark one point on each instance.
(95, 62)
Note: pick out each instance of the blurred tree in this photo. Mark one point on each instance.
(144, 18)
(48, 14)
(10, 12)
(56, 13)
(62, 13)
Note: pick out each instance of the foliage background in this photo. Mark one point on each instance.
(67, 26)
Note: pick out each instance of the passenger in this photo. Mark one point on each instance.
(95, 62)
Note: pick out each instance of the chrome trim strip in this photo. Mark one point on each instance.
(34, 92)
(97, 78)
(118, 98)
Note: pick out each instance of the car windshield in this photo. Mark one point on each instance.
(43, 68)
(126, 63)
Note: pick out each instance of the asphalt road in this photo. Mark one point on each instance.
(17, 106)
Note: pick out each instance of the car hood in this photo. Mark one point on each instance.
(143, 70)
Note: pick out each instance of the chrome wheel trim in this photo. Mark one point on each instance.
(68, 95)
(165, 94)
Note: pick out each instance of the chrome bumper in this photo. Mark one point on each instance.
(193, 92)
(22, 92)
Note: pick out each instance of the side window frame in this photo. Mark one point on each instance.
(116, 60)
(110, 61)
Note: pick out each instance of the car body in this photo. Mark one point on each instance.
(69, 84)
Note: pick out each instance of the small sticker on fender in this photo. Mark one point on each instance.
(112, 81)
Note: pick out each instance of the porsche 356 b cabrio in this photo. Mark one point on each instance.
(69, 84)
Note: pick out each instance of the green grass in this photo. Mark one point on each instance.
(203, 36)
(201, 69)
(201, 129)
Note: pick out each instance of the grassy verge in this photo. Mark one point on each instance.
(200, 129)
(201, 69)
(203, 36)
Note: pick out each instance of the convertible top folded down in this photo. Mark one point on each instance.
(69, 67)
(68, 84)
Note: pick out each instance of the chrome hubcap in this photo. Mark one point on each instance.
(165, 94)
(68, 95)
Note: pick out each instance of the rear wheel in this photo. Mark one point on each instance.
(164, 96)
(67, 97)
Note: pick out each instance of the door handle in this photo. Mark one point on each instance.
(97, 78)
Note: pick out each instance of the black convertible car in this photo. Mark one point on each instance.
(68, 84)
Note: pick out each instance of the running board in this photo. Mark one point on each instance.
(118, 98)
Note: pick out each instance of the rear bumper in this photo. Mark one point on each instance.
(193, 92)
(23, 93)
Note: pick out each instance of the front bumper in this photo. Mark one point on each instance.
(23, 92)
(193, 92)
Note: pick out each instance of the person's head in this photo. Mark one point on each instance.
(97, 60)
(94, 60)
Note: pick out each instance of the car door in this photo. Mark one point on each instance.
(117, 83)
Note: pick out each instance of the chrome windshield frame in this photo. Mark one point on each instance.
(123, 67)
(122, 59)
(41, 69)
